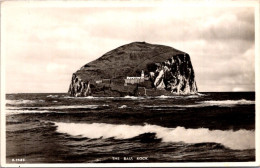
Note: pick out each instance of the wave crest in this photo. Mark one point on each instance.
(13, 102)
(123, 106)
(13, 112)
(241, 139)
(89, 106)
(228, 102)
(52, 96)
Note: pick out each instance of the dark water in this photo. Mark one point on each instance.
(56, 128)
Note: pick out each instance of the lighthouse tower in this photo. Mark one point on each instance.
(142, 75)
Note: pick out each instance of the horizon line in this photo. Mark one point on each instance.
(97, 96)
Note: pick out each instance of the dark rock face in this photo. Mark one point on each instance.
(166, 71)
(79, 87)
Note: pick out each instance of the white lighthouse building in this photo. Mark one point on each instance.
(133, 80)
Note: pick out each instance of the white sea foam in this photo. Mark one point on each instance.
(200, 94)
(228, 102)
(133, 97)
(52, 96)
(89, 97)
(90, 106)
(163, 109)
(241, 139)
(193, 96)
(221, 103)
(123, 106)
(175, 105)
(161, 106)
(20, 101)
(68, 97)
(179, 96)
(165, 97)
(20, 111)
(137, 97)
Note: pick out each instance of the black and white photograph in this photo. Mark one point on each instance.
(129, 83)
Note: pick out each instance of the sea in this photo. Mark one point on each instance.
(57, 128)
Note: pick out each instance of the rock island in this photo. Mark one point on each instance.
(136, 69)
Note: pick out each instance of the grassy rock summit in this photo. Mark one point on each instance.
(136, 69)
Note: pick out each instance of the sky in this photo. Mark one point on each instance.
(44, 45)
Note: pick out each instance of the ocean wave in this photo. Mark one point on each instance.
(241, 139)
(165, 97)
(193, 96)
(174, 106)
(139, 97)
(52, 96)
(162, 106)
(20, 111)
(13, 102)
(162, 97)
(196, 95)
(174, 97)
(221, 103)
(90, 106)
(228, 102)
(163, 109)
(123, 106)
(201, 94)
(133, 97)
(89, 97)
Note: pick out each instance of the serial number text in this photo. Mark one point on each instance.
(18, 160)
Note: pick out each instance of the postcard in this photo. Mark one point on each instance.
(129, 83)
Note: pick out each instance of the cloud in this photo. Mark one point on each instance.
(229, 26)
(55, 42)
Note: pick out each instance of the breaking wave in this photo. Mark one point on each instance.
(201, 94)
(20, 101)
(197, 95)
(49, 109)
(20, 111)
(228, 102)
(123, 106)
(241, 139)
(88, 97)
(166, 97)
(60, 107)
(137, 97)
(221, 103)
(133, 97)
(52, 96)
(90, 106)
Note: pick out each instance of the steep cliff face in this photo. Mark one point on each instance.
(78, 87)
(165, 68)
(175, 75)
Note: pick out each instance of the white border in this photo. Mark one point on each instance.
(2, 91)
(257, 81)
(134, 3)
